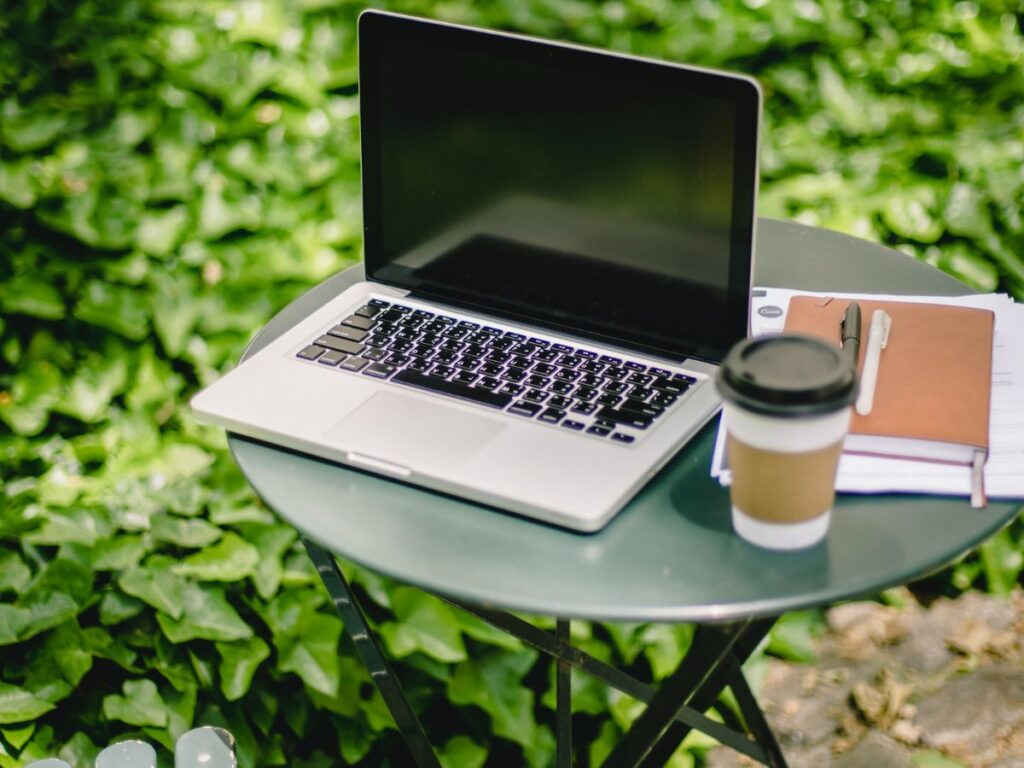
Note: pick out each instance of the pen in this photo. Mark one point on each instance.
(878, 339)
(849, 331)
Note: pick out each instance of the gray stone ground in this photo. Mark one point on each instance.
(907, 687)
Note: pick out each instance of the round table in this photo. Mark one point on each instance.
(670, 555)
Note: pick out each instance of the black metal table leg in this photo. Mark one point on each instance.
(550, 645)
(706, 655)
(409, 725)
(746, 639)
(563, 699)
(756, 723)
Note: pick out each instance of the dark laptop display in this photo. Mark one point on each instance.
(595, 194)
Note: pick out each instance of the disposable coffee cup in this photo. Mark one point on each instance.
(786, 411)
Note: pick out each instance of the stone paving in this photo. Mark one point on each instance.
(907, 687)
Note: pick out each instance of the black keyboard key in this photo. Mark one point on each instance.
(648, 409)
(512, 336)
(446, 321)
(369, 311)
(422, 350)
(664, 399)
(400, 345)
(525, 348)
(684, 377)
(584, 408)
(671, 386)
(489, 382)
(635, 366)
(523, 408)
(559, 402)
(355, 364)
(510, 388)
(561, 348)
(422, 313)
(615, 372)
(659, 372)
(610, 359)
(391, 316)
(561, 387)
(446, 356)
(456, 333)
(552, 416)
(540, 343)
(375, 354)
(312, 352)
(452, 345)
(378, 303)
(616, 387)
(585, 393)
(402, 308)
(407, 334)
(490, 369)
(593, 366)
(468, 363)
(599, 431)
(380, 370)
(398, 358)
(465, 377)
(546, 355)
(358, 321)
(569, 361)
(420, 364)
(491, 330)
(497, 356)
(339, 345)
(638, 392)
(567, 374)
(514, 374)
(591, 380)
(622, 437)
(639, 378)
(519, 361)
(476, 350)
(536, 395)
(452, 388)
(544, 369)
(468, 325)
(574, 425)
(629, 418)
(538, 381)
(608, 399)
(586, 354)
(442, 371)
(331, 357)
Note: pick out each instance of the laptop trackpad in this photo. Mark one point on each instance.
(413, 433)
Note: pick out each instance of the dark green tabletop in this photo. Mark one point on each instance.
(670, 555)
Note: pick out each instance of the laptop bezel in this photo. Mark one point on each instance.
(374, 29)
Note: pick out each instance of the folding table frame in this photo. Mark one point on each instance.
(713, 663)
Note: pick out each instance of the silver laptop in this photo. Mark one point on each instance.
(558, 252)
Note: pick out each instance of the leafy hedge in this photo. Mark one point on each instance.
(171, 173)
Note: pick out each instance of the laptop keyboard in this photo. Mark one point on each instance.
(533, 378)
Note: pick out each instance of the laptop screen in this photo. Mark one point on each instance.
(589, 192)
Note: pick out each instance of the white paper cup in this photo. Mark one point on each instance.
(787, 410)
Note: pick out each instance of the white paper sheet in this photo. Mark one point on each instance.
(1004, 471)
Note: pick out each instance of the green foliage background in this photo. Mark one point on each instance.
(173, 172)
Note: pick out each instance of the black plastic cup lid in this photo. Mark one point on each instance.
(787, 375)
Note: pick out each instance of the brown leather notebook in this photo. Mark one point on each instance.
(934, 380)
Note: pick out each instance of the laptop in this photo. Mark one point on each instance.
(558, 253)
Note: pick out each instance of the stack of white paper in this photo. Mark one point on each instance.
(1004, 471)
